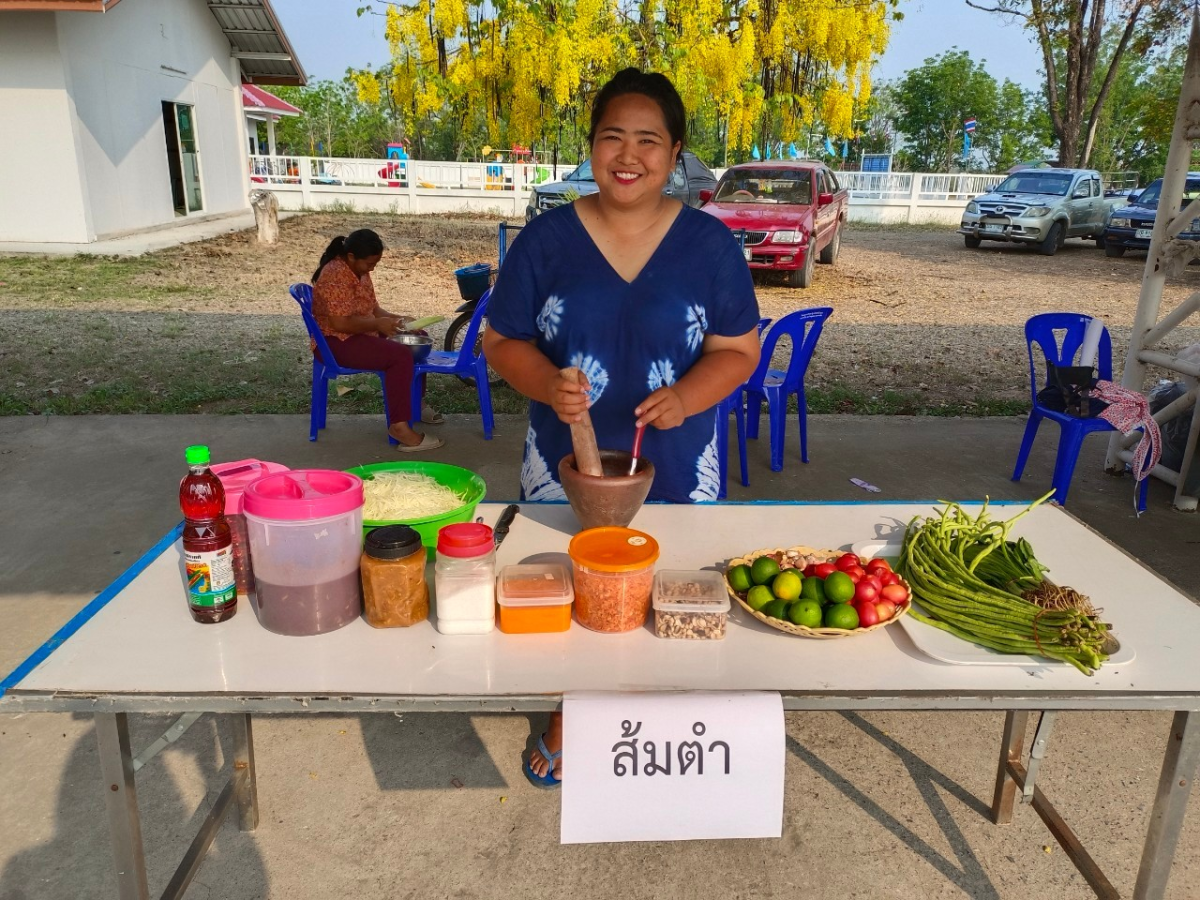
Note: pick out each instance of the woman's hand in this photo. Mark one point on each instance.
(569, 398)
(387, 325)
(662, 409)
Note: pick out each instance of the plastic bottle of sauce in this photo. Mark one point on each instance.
(207, 542)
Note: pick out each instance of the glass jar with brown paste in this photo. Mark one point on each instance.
(393, 577)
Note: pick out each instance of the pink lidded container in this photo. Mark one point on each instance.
(305, 530)
(234, 478)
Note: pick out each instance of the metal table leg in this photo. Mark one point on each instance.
(243, 760)
(1170, 803)
(1010, 751)
(120, 795)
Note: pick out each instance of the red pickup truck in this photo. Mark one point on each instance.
(791, 212)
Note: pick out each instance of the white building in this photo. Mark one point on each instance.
(121, 115)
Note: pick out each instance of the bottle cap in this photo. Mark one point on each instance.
(196, 455)
(465, 540)
(392, 542)
(613, 549)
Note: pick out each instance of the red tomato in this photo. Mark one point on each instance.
(865, 592)
(846, 560)
(868, 615)
(878, 564)
(856, 573)
(889, 578)
(885, 610)
(810, 570)
(824, 570)
(895, 593)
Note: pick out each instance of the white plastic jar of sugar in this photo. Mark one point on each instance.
(465, 579)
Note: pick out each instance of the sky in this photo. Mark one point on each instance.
(329, 38)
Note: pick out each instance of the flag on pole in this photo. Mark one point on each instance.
(969, 125)
(966, 145)
(829, 147)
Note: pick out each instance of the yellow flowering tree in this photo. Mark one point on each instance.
(523, 71)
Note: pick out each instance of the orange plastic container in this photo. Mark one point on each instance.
(614, 577)
(534, 599)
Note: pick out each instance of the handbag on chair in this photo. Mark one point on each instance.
(1068, 390)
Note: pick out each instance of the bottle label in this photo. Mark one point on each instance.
(210, 577)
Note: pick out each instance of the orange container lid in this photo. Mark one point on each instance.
(613, 549)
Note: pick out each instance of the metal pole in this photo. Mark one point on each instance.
(243, 759)
(1010, 751)
(1170, 804)
(120, 796)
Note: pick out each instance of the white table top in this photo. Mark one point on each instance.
(144, 649)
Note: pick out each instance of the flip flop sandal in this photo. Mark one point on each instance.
(547, 781)
(431, 416)
(428, 442)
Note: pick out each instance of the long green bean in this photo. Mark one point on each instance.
(968, 576)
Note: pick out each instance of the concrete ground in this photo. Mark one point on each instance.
(160, 237)
(434, 805)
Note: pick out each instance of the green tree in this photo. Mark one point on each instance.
(1078, 76)
(934, 100)
(335, 122)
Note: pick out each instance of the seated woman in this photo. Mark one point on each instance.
(357, 328)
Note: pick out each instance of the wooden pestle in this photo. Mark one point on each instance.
(583, 436)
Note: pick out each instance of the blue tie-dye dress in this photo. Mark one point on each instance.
(629, 338)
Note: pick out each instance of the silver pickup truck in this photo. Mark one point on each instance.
(1042, 207)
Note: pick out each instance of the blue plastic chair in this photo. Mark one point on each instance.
(774, 386)
(1046, 330)
(463, 362)
(733, 404)
(325, 367)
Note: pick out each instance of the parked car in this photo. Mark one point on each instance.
(791, 212)
(690, 177)
(1129, 226)
(1040, 207)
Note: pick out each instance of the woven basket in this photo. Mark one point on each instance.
(800, 630)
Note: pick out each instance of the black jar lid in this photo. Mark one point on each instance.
(391, 542)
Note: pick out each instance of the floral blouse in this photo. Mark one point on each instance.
(339, 292)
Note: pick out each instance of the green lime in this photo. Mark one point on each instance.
(759, 596)
(763, 570)
(787, 585)
(806, 613)
(841, 615)
(839, 587)
(739, 578)
(813, 589)
(776, 609)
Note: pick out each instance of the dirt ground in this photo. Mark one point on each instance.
(916, 314)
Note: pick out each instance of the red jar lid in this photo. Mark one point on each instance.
(465, 540)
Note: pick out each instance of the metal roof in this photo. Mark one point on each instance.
(257, 42)
(256, 39)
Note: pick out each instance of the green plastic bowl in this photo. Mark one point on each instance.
(463, 481)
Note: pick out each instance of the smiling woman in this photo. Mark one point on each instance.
(650, 299)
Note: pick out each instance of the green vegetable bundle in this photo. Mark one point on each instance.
(969, 579)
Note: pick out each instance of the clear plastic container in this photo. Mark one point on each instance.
(534, 598)
(465, 579)
(613, 569)
(234, 478)
(305, 530)
(690, 605)
(395, 594)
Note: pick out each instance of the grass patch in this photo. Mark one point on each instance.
(836, 399)
(58, 281)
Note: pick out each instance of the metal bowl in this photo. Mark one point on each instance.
(421, 344)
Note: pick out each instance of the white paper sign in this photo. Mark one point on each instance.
(672, 767)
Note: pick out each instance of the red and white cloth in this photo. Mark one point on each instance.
(1126, 411)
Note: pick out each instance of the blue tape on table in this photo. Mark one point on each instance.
(98, 603)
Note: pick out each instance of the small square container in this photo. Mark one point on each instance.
(690, 605)
(534, 598)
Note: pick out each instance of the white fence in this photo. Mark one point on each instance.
(419, 186)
